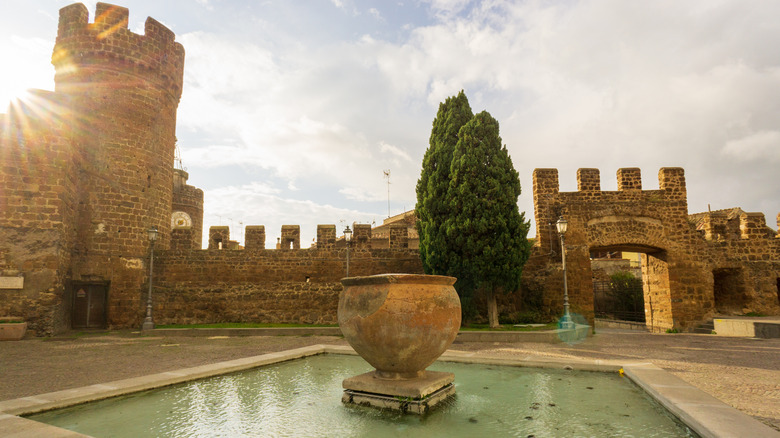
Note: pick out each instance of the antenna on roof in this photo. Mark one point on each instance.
(387, 177)
(177, 163)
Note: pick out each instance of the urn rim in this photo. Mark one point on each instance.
(399, 279)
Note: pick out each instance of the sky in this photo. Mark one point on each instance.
(292, 110)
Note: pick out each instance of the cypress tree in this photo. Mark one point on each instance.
(484, 232)
(432, 187)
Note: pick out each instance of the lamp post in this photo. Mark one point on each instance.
(566, 322)
(148, 322)
(347, 238)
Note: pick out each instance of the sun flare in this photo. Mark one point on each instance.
(9, 94)
(28, 67)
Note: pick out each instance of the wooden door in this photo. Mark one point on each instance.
(89, 306)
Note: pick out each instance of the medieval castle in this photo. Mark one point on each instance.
(87, 169)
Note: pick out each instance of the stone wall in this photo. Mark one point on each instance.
(272, 286)
(37, 210)
(273, 302)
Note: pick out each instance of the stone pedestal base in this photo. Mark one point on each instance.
(417, 395)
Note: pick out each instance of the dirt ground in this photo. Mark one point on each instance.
(744, 373)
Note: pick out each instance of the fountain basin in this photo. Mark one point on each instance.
(296, 399)
(701, 412)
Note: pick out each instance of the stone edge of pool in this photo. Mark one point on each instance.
(704, 414)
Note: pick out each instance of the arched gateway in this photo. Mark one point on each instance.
(681, 259)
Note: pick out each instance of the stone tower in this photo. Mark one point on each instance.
(86, 170)
(122, 91)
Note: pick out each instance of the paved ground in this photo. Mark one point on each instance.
(744, 373)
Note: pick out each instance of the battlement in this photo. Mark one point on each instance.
(219, 236)
(255, 236)
(732, 225)
(291, 237)
(588, 180)
(670, 179)
(326, 236)
(107, 43)
(753, 226)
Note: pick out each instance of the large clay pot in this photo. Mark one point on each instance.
(399, 323)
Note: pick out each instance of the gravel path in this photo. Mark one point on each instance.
(744, 373)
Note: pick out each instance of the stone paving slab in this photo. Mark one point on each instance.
(16, 427)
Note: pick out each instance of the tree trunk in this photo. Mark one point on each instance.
(492, 309)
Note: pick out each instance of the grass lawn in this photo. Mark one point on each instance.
(242, 325)
(508, 328)
(468, 327)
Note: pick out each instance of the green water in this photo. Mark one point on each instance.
(302, 398)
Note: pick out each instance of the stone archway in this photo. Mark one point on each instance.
(651, 222)
(643, 235)
(655, 299)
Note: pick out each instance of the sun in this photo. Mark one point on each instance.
(10, 93)
(26, 65)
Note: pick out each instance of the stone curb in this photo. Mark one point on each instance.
(706, 415)
(747, 328)
(258, 331)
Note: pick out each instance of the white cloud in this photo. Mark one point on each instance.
(764, 145)
(447, 8)
(300, 117)
(374, 12)
(599, 83)
(395, 151)
(361, 194)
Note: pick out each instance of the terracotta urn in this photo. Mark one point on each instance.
(399, 323)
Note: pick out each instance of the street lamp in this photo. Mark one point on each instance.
(347, 238)
(148, 322)
(566, 322)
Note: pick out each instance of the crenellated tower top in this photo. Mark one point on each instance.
(107, 44)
